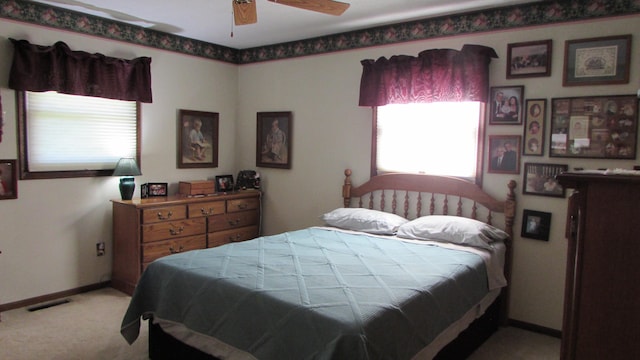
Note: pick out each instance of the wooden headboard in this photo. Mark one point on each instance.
(413, 195)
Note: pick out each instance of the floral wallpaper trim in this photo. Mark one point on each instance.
(539, 13)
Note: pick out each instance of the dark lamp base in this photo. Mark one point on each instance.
(127, 187)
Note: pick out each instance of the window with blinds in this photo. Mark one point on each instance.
(72, 136)
(431, 138)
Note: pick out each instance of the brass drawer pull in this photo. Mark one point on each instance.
(177, 231)
(242, 206)
(174, 251)
(232, 239)
(234, 222)
(205, 212)
(162, 217)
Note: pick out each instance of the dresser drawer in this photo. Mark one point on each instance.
(173, 229)
(242, 204)
(228, 236)
(232, 220)
(158, 214)
(158, 249)
(206, 209)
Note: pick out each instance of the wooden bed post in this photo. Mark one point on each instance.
(346, 188)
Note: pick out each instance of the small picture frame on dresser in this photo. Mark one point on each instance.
(153, 189)
(224, 183)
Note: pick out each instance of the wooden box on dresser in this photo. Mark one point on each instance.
(147, 229)
(602, 296)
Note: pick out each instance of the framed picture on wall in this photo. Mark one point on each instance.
(540, 179)
(536, 224)
(506, 105)
(8, 180)
(504, 154)
(197, 139)
(603, 127)
(529, 59)
(534, 126)
(273, 147)
(597, 61)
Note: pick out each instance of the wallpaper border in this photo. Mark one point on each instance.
(532, 14)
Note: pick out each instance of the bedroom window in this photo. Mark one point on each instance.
(64, 136)
(430, 138)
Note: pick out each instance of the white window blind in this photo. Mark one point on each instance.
(433, 138)
(74, 133)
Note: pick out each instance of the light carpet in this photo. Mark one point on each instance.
(88, 327)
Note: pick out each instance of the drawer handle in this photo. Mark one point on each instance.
(177, 231)
(234, 222)
(242, 206)
(174, 251)
(162, 217)
(205, 212)
(231, 238)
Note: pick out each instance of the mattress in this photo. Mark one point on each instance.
(316, 293)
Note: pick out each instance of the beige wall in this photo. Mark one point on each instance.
(49, 233)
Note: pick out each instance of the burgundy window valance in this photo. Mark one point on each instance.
(438, 75)
(58, 68)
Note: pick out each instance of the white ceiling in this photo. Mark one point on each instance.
(212, 20)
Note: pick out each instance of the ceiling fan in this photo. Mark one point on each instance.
(244, 11)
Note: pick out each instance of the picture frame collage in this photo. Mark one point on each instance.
(601, 127)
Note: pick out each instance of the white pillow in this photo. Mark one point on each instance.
(452, 229)
(366, 220)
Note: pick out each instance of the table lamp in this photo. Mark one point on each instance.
(127, 168)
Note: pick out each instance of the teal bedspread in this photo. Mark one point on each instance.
(315, 293)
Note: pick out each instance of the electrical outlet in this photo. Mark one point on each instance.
(100, 249)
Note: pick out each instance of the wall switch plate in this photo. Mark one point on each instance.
(100, 249)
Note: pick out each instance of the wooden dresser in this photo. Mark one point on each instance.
(147, 229)
(602, 296)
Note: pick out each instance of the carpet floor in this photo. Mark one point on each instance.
(88, 327)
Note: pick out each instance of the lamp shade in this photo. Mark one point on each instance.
(127, 168)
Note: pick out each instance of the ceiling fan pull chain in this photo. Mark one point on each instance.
(232, 15)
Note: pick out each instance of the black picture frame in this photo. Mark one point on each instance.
(273, 139)
(202, 152)
(597, 61)
(603, 127)
(540, 179)
(529, 59)
(8, 179)
(502, 112)
(154, 189)
(535, 224)
(224, 183)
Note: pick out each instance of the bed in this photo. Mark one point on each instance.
(409, 267)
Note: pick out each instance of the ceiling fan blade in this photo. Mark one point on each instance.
(329, 7)
(244, 12)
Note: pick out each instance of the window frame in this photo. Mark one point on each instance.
(480, 151)
(23, 146)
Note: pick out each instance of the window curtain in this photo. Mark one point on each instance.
(438, 75)
(58, 68)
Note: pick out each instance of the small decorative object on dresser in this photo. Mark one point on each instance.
(153, 189)
(199, 187)
(224, 183)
